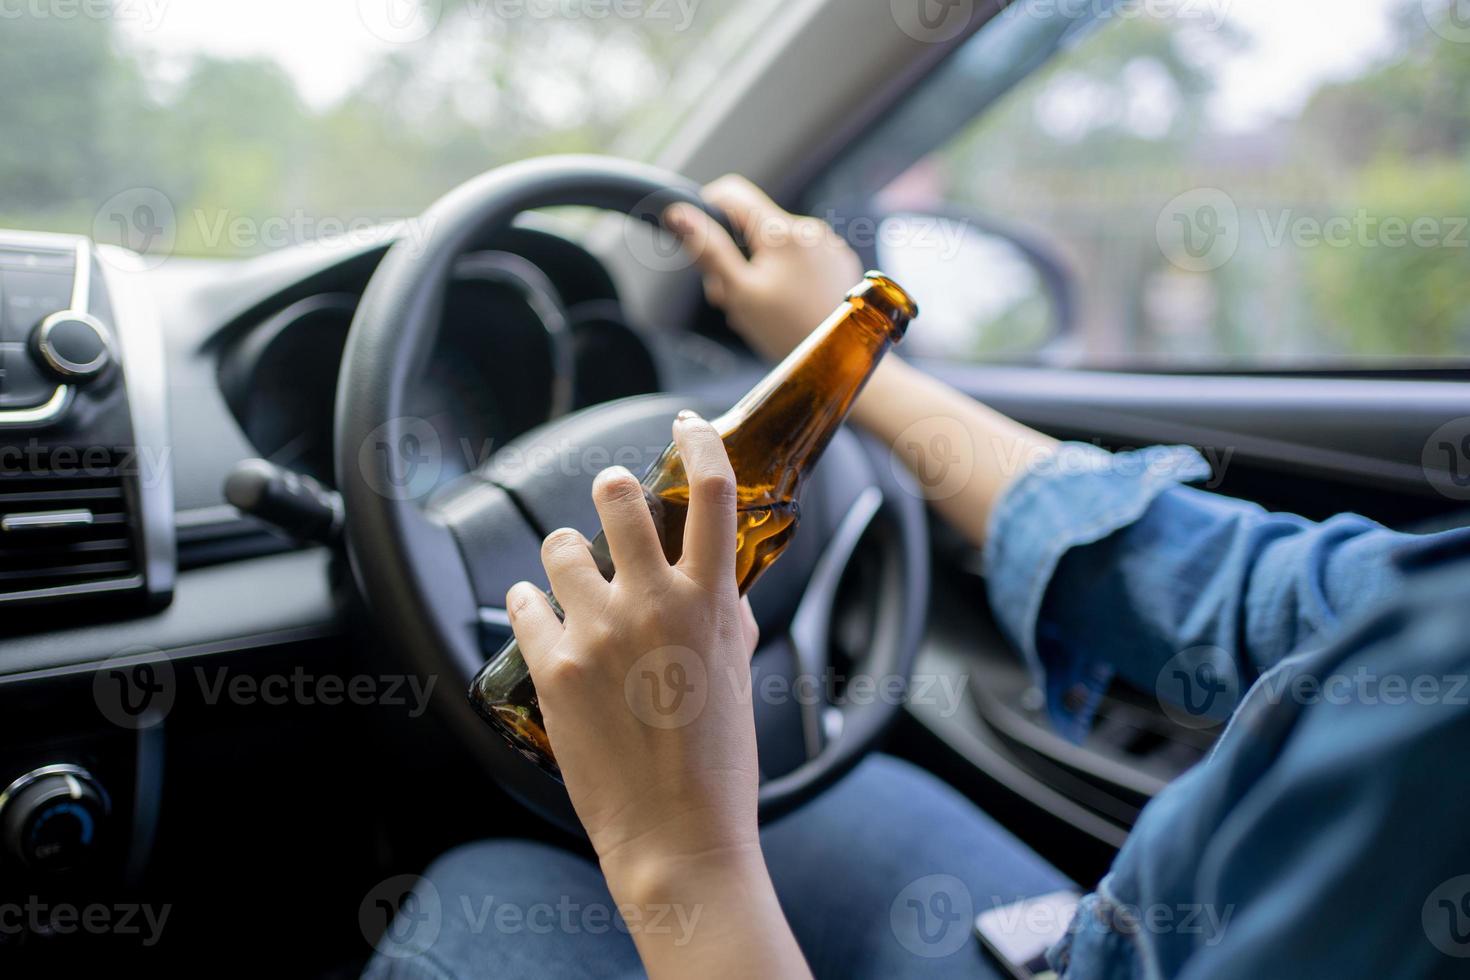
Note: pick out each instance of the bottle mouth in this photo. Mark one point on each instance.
(883, 295)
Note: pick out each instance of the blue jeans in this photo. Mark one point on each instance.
(881, 876)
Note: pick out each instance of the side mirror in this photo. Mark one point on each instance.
(987, 293)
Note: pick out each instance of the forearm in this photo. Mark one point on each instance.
(719, 917)
(963, 454)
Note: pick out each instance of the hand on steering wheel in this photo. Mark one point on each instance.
(798, 269)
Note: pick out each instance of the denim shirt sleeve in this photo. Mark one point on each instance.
(1324, 835)
(1101, 564)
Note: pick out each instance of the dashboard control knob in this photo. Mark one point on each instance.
(72, 346)
(51, 819)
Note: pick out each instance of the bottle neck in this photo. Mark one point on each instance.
(776, 433)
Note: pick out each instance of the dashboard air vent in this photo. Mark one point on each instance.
(66, 531)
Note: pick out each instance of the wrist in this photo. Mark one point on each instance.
(660, 877)
(735, 926)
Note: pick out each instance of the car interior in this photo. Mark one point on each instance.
(260, 503)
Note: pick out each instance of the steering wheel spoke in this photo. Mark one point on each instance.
(499, 547)
(811, 626)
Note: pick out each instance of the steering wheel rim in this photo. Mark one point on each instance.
(418, 558)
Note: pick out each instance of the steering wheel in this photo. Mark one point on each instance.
(434, 564)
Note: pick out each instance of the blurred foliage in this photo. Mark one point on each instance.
(1090, 151)
(89, 114)
(1403, 133)
(1384, 299)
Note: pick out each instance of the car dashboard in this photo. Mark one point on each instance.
(123, 570)
(531, 328)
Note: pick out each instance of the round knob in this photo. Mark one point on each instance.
(73, 346)
(51, 819)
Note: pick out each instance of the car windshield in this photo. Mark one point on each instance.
(231, 128)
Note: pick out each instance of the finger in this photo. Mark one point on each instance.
(535, 623)
(749, 628)
(709, 244)
(716, 291)
(748, 207)
(632, 539)
(709, 528)
(569, 565)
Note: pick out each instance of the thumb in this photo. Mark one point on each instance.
(707, 242)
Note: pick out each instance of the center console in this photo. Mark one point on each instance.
(86, 539)
(86, 487)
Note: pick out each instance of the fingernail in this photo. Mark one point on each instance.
(676, 217)
(688, 415)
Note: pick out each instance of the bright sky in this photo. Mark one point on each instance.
(1298, 45)
(326, 44)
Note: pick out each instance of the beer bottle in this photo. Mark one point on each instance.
(774, 436)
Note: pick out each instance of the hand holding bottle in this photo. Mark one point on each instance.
(773, 437)
(614, 762)
(645, 692)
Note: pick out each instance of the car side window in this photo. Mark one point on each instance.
(1185, 185)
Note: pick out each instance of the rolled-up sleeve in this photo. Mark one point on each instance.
(1101, 564)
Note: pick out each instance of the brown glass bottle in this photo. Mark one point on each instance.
(774, 436)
